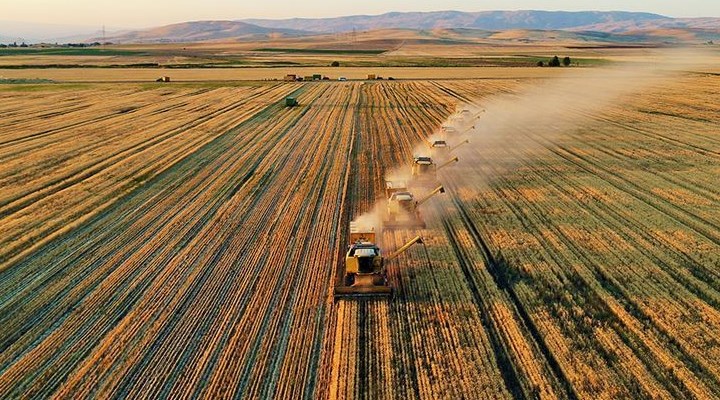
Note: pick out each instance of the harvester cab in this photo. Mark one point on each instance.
(403, 210)
(438, 147)
(365, 274)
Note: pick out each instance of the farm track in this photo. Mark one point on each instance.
(196, 258)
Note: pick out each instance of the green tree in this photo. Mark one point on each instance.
(567, 61)
(555, 62)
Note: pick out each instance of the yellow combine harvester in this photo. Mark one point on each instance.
(440, 148)
(424, 170)
(365, 274)
(403, 209)
(448, 129)
(466, 119)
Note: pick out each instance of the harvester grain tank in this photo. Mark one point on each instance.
(403, 209)
(394, 187)
(365, 274)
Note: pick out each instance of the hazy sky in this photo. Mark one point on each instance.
(146, 13)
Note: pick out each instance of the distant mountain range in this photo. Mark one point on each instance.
(635, 24)
(199, 31)
(485, 20)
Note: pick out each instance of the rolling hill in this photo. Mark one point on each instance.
(587, 25)
(198, 31)
(624, 26)
(486, 20)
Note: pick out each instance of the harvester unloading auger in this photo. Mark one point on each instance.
(403, 209)
(365, 274)
(458, 145)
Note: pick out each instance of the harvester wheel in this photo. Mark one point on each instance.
(349, 279)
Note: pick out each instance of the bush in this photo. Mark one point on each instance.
(555, 62)
(566, 61)
(540, 64)
(335, 64)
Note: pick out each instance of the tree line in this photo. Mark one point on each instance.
(555, 62)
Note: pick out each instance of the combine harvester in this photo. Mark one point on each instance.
(365, 274)
(291, 102)
(460, 122)
(466, 119)
(403, 209)
(424, 171)
(448, 130)
(440, 147)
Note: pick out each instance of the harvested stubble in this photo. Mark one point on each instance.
(205, 264)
